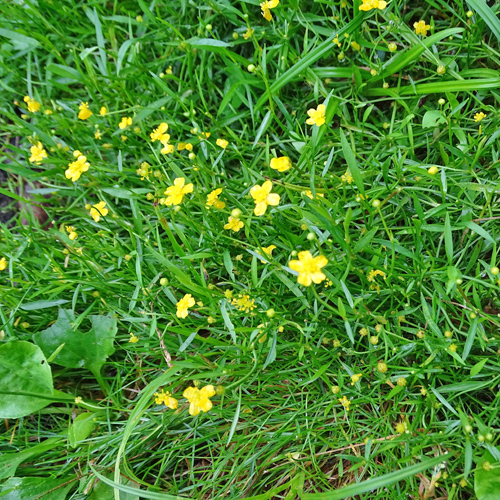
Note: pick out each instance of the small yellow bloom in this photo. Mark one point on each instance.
(77, 168)
(234, 224)
(199, 399)
(356, 46)
(375, 272)
(263, 197)
(244, 303)
(37, 153)
(133, 338)
(269, 250)
(433, 170)
(373, 4)
(33, 106)
(184, 304)
(84, 111)
(123, 138)
(309, 194)
(48, 112)
(73, 235)
(347, 177)
(309, 268)
(168, 149)
(222, 143)
(160, 134)
(99, 210)
(248, 33)
(126, 122)
(266, 6)
(213, 199)
(401, 427)
(281, 164)
(355, 378)
(175, 194)
(441, 70)
(479, 116)
(169, 71)
(316, 116)
(363, 332)
(166, 399)
(345, 402)
(3, 264)
(204, 135)
(453, 347)
(103, 111)
(143, 171)
(392, 47)
(97, 135)
(421, 28)
(401, 381)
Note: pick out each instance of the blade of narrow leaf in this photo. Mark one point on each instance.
(351, 163)
(487, 15)
(262, 128)
(448, 239)
(376, 483)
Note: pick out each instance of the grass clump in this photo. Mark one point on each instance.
(251, 250)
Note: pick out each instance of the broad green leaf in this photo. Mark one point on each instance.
(81, 350)
(432, 118)
(26, 379)
(487, 482)
(81, 428)
(478, 367)
(43, 304)
(37, 488)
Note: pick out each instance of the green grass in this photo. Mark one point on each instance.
(278, 430)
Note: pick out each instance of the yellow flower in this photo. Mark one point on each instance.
(355, 45)
(124, 138)
(143, 171)
(269, 250)
(126, 122)
(37, 153)
(84, 111)
(347, 177)
(33, 106)
(234, 223)
(166, 399)
(479, 116)
(345, 402)
(309, 268)
(363, 332)
(265, 6)
(316, 116)
(281, 164)
(103, 111)
(263, 197)
(373, 4)
(421, 28)
(204, 135)
(160, 135)
(309, 194)
(375, 272)
(355, 378)
(244, 303)
(199, 399)
(99, 210)
(181, 146)
(222, 143)
(248, 33)
(168, 149)
(48, 112)
(3, 264)
(213, 199)
(77, 168)
(169, 71)
(133, 338)
(175, 194)
(401, 427)
(97, 134)
(184, 304)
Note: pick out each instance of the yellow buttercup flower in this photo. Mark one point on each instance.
(199, 399)
(184, 304)
(309, 268)
(345, 402)
(222, 143)
(103, 111)
(269, 250)
(263, 197)
(84, 111)
(133, 338)
(309, 194)
(204, 135)
(244, 303)
(266, 6)
(355, 378)
(281, 164)
(373, 4)
(479, 116)
(375, 272)
(316, 116)
(421, 28)
(213, 199)
(166, 399)
(175, 194)
(37, 153)
(97, 135)
(168, 149)
(126, 122)
(33, 106)
(3, 264)
(347, 177)
(77, 168)
(99, 210)
(248, 33)
(234, 224)
(355, 45)
(143, 171)
(160, 134)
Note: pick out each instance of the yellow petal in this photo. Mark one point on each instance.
(260, 208)
(273, 199)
